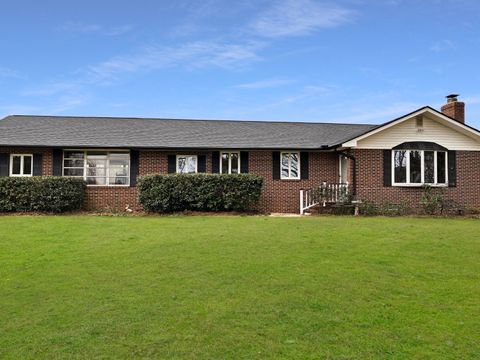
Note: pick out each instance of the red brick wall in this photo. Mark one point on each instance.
(111, 198)
(47, 156)
(283, 196)
(370, 180)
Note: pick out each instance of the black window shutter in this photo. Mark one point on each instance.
(4, 164)
(387, 167)
(57, 162)
(134, 157)
(37, 164)
(172, 164)
(215, 162)
(276, 165)
(202, 163)
(304, 165)
(452, 168)
(244, 162)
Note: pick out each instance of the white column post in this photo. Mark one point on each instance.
(301, 202)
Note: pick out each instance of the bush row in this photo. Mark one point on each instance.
(199, 192)
(42, 194)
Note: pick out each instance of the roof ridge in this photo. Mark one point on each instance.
(193, 120)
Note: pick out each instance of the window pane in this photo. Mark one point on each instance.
(234, 163)
(96, 162)
(225, 163)
(118, 181)
(285, 166)
(16, 161)
(96, 181)
(73, 163)
(294, 165)
(191, 164)
(118, 171)
(119, 156)
(429, 170)
(97, 154)
(181, 162)
(400, 166)
(441, 176)
(73, 172)
(95, 171)
(415, 167)
(27, 165)
(119, 162)
(73, 155)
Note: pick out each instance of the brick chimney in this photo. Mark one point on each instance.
(454, 108)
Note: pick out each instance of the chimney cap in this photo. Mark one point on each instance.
(452, 97)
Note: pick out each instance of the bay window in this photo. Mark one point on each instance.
(230, 163)
(107, 168)
(290, 165)
(419, 167)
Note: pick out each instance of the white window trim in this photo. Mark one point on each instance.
(230, 161)
(107, 168)
(422, 165)
(186, 155)
(289, 165)
(22, 156)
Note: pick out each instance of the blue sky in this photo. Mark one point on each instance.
(354, 61)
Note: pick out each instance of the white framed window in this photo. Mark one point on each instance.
(290, 165)
(230, 162)
(419, 167)
(100, 168)
(187, 164)
(21, 165)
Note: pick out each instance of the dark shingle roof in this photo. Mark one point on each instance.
(67, 131)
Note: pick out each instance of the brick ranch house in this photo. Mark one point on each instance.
(387, 162)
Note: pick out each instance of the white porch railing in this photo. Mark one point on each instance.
(323, 194)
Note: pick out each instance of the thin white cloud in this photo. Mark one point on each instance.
(380, 114)
(11, 73)
(198, 54)
(299, 17)
(118, 30)
(51, 88)
(17, 109)
(85, 28)
(443, 45)
(264, 84)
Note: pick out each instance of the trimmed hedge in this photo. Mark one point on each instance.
(199, 192)
(42, 194)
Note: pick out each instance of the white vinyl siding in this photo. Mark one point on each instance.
(431, 131)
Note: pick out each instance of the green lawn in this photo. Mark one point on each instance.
(239, 287)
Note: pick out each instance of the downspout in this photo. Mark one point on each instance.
(354, 174)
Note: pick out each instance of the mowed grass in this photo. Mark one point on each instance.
(239, 288)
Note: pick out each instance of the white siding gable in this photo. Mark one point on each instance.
(433, 130)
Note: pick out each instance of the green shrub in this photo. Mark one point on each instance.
(42, 194)
(367, 208)
(199, 192)
(402, 208)
(431, 200)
